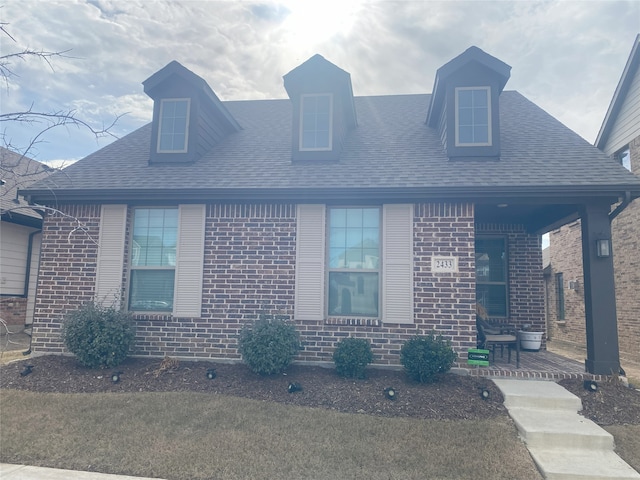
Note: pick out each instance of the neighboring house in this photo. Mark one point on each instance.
(379, 217)
(619, 138)
(20, 236)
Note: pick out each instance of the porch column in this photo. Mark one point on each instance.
(599, 293)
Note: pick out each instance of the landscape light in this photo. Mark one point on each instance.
(390, 393)
(484, 394)
(27, 370)
(211, 373)
(115, 377)
(590, 385)
(294, 387)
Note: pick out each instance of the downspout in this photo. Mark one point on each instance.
(26, 283)
(28, 266)
(619, 209)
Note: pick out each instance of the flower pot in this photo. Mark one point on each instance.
(530, 340)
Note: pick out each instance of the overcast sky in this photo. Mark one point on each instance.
(565, 56)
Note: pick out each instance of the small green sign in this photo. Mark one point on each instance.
(477, 356)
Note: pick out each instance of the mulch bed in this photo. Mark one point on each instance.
(453, 397)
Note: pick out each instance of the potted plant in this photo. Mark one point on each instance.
(530, 340)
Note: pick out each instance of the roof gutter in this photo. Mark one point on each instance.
(534, 194)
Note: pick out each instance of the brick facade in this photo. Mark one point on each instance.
(13, 310)
(526, 282)
(249, 268)
(566, 257)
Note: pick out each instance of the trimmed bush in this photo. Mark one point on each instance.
(269, 345)
(98, 336)
(426, 357)
(351, 357)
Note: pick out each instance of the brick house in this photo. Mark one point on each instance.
(20, 236)
(379, 217)
(619, 138)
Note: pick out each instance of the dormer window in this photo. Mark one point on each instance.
(316, 113)
(473, 116)
(173, 130)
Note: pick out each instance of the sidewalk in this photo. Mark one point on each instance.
(21, 472)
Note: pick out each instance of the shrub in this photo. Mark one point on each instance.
(351, 357)
(426, 357)
(269, 345)
(98, 336)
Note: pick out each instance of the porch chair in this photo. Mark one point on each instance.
(491, 336)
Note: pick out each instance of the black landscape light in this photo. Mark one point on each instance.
(294, 387)
(27, 370)
(211, 373)
(115, 377)
(590, 385)
(484, 394)
(390, 393)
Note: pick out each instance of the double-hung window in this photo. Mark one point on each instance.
(354, 261)
(173, 130)
(153, 259)
(491, 275)
(316, 122)
(473, 116)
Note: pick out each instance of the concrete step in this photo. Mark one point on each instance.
(537, 394)
(553, 429)
(571, 464)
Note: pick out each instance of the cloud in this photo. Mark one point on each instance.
(567, 56)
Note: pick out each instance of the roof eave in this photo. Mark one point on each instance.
(483, 194)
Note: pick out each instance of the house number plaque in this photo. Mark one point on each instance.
(444, 264)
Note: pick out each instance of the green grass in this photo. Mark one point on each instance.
(202, 436)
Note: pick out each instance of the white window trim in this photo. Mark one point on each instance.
(186, 136)
(330, 269)
(133, 255)
(489, 116)
(323, 149)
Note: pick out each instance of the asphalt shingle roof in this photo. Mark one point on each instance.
(391, 148)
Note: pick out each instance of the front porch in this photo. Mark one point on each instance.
(542, 365)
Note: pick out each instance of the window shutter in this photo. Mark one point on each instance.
(110, 264)
(187, 299)
(310, 259)
(397, 264)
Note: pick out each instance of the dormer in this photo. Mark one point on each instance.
(323, 109)
(188, 117)
(465, 104)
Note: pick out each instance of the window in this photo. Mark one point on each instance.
(354, 261)
(316, 122)
(153, 259)
(491, 275)
(560, 295)
(473, 116)
(624, 158)
(173, 132)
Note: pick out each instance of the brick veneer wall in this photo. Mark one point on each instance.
(526, 282)
(566, 257)
(13, 310)
(626, 260)
(249, 267)
(67, 271)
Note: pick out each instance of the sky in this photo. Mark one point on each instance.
(566, 56)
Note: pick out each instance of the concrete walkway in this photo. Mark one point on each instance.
(564, 445)
(21, 472)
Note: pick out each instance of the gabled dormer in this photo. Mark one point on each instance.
(465, 104)
(188, 117)
(323, 109)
